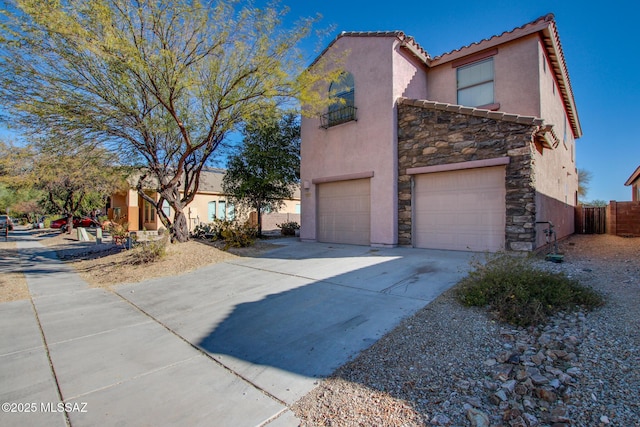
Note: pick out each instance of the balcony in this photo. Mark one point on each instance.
(338, 116)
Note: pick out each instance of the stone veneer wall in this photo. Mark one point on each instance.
(429, 135)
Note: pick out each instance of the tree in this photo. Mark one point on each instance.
(597, 203)
(160, 82)
(584, 178)
(266, 169)
(63, 180)
(18, 194)
(75, 182)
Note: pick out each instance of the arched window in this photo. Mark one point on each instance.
(342, 109)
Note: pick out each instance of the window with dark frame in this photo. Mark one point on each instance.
(342, 109)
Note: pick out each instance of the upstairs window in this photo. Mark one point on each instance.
(475, 83)
(342, 108)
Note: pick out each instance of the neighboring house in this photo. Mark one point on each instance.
(209, 203)
(464, 151)
(634, 182)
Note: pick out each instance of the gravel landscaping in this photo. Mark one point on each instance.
(455, 366)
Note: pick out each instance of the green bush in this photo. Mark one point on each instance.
(148, 252)
(214, 230)
(239, 235)
(233, 233)
(520, 293)
(288, 228)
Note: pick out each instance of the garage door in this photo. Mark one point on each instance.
(344, 212)
(460, 210)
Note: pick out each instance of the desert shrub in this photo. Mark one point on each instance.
(521, 294)
(202, 230)
(150, 251)
(213, 230)
(239, 235)
(118, 230)
(288, 228)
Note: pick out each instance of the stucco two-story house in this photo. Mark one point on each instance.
(468, 150)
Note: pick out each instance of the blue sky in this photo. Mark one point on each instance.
(600, 42)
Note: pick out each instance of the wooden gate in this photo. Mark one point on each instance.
(591, 219)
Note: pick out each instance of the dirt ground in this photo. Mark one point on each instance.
(13, 284)
(111, 266)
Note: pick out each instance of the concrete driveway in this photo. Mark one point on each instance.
(229, 344)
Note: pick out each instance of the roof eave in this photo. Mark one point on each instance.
(634, 176)
(545, 26)
(406, 42)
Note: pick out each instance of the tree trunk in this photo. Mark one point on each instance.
(180, 229)
(259, 222)
(69, 223)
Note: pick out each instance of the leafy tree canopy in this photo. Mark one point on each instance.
(266, 169)
(159, 82)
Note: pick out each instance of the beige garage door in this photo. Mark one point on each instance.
(344, 212)
(460, 210)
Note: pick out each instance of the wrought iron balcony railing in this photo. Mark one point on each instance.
(338, 116)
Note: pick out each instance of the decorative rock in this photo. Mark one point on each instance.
(475, 402)
(604, 419)
(531, 419)
(560, 415)
(509, 385)
(514, 359)
(502, 372)
(490, 385)
(521, 375)
(463, 384)
(574, 371)
(478, 418)
(440, 420)
(546, 395)
(490, 362)
(521, 389)
(538, 358)
(539, 379)
(555, 383)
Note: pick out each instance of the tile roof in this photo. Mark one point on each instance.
(407, 42)
(471, 111)
(545, 26)
(635, 175)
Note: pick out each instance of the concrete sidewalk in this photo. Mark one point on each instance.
(109, 362)
(229, 344)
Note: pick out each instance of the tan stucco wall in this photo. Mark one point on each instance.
(555, 169)
(382, 73)
(196, 211)
(556, 183)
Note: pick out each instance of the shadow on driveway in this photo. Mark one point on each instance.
(299, 312)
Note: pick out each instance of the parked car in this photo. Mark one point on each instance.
(6, 222)
(84, 221)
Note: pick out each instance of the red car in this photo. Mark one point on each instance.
(84, 221)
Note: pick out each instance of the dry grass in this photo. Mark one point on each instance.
(112, 266)
(13, 283)
(109, 264)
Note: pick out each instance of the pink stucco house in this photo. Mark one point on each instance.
(463, 151)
